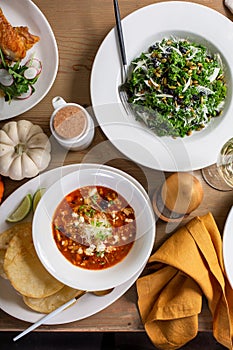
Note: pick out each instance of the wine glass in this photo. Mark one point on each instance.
(220, 175)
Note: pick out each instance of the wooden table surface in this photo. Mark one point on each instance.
(79, 27)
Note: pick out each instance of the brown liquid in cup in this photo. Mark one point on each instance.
(70, 122)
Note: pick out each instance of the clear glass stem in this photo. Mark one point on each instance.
(214, 179)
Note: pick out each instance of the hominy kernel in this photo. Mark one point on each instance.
(58, 236)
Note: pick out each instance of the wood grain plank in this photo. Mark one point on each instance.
(79, 27)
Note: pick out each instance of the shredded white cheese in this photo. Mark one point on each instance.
(204, 89)
(214, 74)
(187, 84)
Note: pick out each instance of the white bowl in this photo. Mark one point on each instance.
(77, 277)
(78, 143)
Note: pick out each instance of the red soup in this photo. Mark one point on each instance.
(94, 227)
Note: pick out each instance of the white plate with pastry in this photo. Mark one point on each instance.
(25, 13)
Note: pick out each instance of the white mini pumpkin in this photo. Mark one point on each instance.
(24, 150)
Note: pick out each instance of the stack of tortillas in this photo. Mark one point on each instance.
(20, 264)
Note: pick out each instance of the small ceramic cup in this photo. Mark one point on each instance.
(71, 125)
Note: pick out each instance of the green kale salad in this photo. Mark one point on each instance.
(176, 87)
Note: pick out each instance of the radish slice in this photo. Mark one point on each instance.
(30, 73)
(6, 78)
(34, 62)
(2, 72)
(25, 94)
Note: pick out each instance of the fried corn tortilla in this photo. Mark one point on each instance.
(7, 235)
(52, 302)
(2, 257)
(24, 269)
(5, 238)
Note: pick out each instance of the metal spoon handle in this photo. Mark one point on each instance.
(49, 316)
(44, 319)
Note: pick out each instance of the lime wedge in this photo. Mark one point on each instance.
(22, 210)
(36, 198)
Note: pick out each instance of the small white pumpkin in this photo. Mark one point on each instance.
(24, 150)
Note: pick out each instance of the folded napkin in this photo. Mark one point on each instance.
(186, 267)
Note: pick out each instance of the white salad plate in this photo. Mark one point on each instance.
(227, 246)
(141, 29)
(26, 13)
(11, 302)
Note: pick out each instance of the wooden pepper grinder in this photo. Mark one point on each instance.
(179, 195)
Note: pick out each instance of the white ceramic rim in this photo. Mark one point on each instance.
(76, 139)
(80, 278)
(141, 29)
(227, 246)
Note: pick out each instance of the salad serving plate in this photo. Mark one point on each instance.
(26, 13)
(11, 302)
(142, 29)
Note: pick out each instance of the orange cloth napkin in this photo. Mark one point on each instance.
(188, 265)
